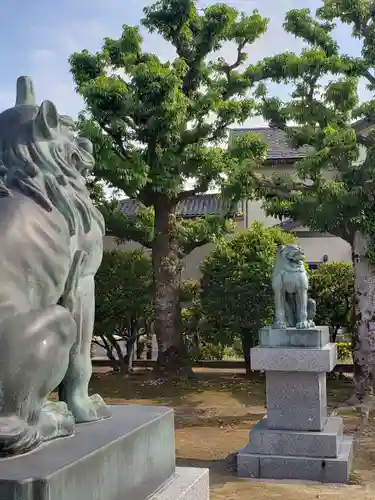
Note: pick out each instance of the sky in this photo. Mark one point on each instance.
(37, 37)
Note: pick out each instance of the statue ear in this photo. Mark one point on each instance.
(47, 120)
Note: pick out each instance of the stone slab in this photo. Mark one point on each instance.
(128, 456)
(294, 359)
(326, 470)
(324, 444)
(296, 402)
(188, 483)
(316, 337)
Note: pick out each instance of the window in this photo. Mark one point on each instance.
(313, 265)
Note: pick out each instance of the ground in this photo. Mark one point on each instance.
(213, 415)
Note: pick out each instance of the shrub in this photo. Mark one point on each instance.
(236, 291)
(189, 290)
(332, 286)
(123, 302)
(344, 350)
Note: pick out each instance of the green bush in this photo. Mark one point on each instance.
(332, 286)
(236, 291)
(123, 301)
(189, 290)
(213, 352)
(344, 350)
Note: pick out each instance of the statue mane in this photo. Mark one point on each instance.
(43, 158)
(283, 264)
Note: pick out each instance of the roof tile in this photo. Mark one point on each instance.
(195, 206)
(276, 140)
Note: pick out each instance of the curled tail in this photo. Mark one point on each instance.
(16, 436)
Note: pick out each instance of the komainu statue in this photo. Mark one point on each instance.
(293, 307)
(51, 248)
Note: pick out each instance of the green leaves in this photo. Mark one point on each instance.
(334, 192)
(301, 24)
(156, 125)
(86, 67)
(332, 286)
(153, 124)
(123, 291)
(236, 296)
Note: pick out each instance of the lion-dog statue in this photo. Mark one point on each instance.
(293, 307)
(51, 247)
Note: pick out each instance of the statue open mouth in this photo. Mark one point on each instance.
(295, 259)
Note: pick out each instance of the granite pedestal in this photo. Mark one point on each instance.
(297, 439)
(130, 456)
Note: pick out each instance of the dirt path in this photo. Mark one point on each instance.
(213, 415)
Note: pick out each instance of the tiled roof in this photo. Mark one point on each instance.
(276, 140)
(195, 206)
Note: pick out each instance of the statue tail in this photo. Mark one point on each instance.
(16, 435)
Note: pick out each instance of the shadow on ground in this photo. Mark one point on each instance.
(213, 415)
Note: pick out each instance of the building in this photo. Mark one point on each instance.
(281, 158)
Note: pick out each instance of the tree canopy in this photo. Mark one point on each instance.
(156, 125)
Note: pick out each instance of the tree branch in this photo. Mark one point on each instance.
(282, 191)
(364, 141)
(369, 77)
(122, 153)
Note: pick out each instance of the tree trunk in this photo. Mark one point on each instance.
(247, 344)
(130, 343)
(172, 355)
(364, 330)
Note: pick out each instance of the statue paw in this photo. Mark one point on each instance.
(280, 325)
(55, 420)
(89, 409)
(101, 408)
(303, 324)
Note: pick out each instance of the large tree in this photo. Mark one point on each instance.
(157, 124)
(331, 190)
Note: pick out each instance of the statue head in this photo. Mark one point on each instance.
(290, 256)
(42, 156)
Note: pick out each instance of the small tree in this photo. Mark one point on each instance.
(237, 297)
(332, 286)
(123, 302)
(161, 124)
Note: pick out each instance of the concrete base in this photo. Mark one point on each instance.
(294, 359)
(188, 483)
(264, 440)
(317, 337)
(326, 470)
(296, 401)
(297, 440)
(127, 456)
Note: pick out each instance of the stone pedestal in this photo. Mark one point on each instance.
(129, 456)
(297, 439)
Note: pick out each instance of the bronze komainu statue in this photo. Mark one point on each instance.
(293, 307)
(51, 247)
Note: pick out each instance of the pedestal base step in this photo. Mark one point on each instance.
(326, 470)
(317, 336)
(127, 456)
(188, 483)
(318, 444)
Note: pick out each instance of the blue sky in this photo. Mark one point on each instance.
(37, 37)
